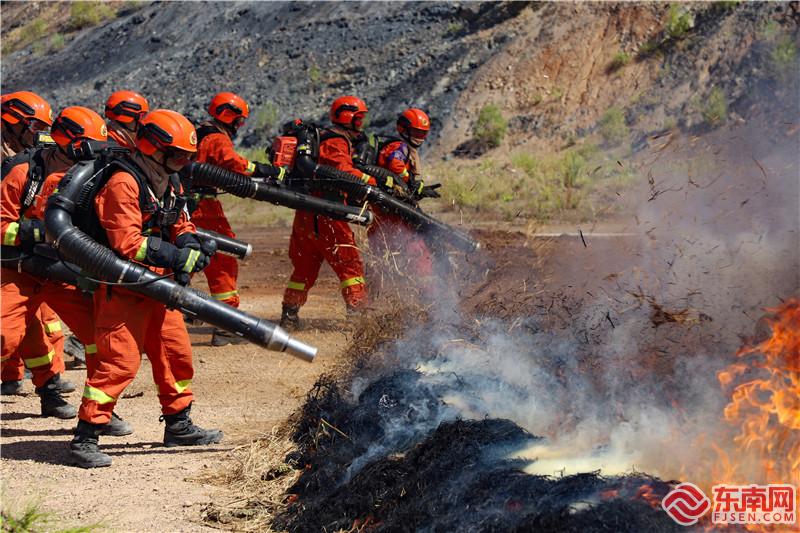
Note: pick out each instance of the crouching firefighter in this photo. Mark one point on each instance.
(23, 295)
(393, 243)
(215, 146)
(317, 238)
(137, 211)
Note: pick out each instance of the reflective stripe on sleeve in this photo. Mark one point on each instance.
(142, 252)
(358, 280)
(296, 285)
(90, 349)
(251, 167)
(10, 236)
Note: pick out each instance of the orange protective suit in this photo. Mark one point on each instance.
(389, 235)
(316, 238)
(127, 324)
(217, 149)
(30, 329)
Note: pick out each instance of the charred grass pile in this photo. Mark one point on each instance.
(394, 441)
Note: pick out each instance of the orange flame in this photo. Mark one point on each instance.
(766, 410)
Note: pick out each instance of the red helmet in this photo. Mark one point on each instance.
(28, 107)
(413, 125)
(349, 111)
(78, 123)
(168, 132)
(126, 107)
(229, 108)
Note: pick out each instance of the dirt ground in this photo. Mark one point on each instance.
(243, 390)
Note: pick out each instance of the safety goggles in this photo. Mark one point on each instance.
(177, 159)
(358, 120)
(238, 122)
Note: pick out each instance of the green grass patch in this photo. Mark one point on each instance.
(32, 519)
(715, 108)
(679, 21)
(19, 38)
(490, 128)
(247, 212)
(783, 58)
(619, 60)
(613, 128)
(84, 14)
(541, 187)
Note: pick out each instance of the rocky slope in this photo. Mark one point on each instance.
(549, 66)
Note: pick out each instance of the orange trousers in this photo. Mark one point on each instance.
(42, 337)
(127, 324)
(223, 271)
(315, 239)
(22, 332)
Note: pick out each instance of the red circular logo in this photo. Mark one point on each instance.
(685, 504)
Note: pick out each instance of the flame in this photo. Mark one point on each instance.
(765, 411)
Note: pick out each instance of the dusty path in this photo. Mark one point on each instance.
(242, 390)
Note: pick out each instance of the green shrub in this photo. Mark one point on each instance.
(715, 108)
(314, 74)
(679, 21)
(526, 162)
(266, 118)
(454, 27)
(619, 60)
(490, 128)
(783, 58)
(613, 127)
(57, 42)
(84, 14)
(647, 48)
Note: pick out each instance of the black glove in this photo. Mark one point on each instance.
(206, 248)
(30, 233)
(427, 191)
(265, 170)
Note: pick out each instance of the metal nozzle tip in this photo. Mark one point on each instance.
(300, 349)
(249, 251)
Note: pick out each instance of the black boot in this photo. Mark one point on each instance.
(11, 388)
(83, 449)
(220, 337)
(116, 427)
(290, 320)
(180, 431)
(73, 347)
(52, 402)
(63, 386)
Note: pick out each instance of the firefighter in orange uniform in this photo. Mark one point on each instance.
(124, 109)
(389, 234)
(316, 238)
(24, 116)
(23, 294)
(215, 137)
(151, 228)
